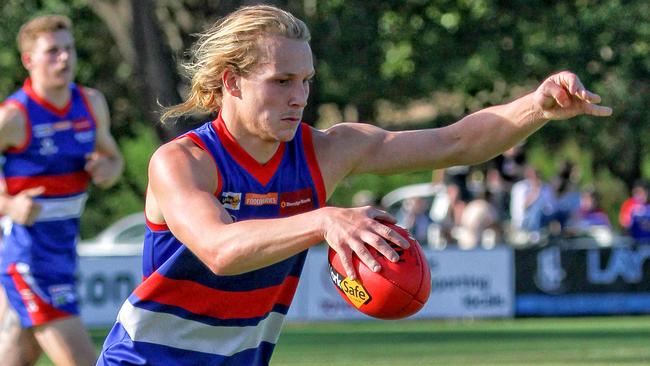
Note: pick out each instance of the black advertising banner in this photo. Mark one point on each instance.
(557, 281)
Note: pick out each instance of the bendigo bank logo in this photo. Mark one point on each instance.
(292, 203)
(353, 289)
(231, 200)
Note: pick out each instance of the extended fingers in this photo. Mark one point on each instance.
(391, 235)
(597, 110)
(577, 89)
(345, 256)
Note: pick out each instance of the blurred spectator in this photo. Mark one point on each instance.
(531, 204)
(637, 200)
(591, 220)
(590, 213)
(567, 195)
(640, 224)
(498, 193)
(479, 224)
(511, 165)
(458, 175)
(413, 216)
(446, 210)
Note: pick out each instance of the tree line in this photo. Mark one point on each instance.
(401, 64)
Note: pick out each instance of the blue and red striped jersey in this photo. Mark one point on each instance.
(185, 313)
(53, 155)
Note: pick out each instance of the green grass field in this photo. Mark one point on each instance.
(547, 341)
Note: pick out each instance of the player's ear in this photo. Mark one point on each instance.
(231, 82)
(26, 59)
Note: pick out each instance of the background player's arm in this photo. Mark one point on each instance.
(105, 164)
(358, 148)
(20, 208)
(183, 179)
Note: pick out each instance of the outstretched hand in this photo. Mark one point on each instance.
(563, 96)
(349, 230)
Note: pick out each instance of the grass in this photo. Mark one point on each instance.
(545, 341)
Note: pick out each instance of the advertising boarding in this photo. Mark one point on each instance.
(464, 284)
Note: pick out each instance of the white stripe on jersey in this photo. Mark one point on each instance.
(53, 209)
(170, 330)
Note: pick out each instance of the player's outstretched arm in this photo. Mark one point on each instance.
(476, 138)
(182, 183)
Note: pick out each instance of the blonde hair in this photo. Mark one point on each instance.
(231, 43)
(43, 24)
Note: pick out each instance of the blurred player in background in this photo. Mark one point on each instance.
(233, 205)
(55, 137)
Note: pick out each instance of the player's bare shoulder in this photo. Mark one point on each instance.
(12, 125)
(183, 158)
(341, 148)
(98, 104)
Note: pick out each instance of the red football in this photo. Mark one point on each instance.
(399, 290)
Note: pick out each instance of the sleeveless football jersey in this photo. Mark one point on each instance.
(52, 156)
(186, 315)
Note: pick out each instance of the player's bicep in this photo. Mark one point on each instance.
(183, 180)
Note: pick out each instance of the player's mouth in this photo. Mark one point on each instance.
(292, 119)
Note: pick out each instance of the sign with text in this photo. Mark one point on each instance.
(475, 283)
(556, 281)
(103, 285)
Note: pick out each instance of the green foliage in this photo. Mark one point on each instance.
(106, 206)
(480, 52)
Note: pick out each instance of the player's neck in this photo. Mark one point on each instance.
(258, 148)
(58, 96)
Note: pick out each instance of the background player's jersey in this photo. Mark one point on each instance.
(52, 156)
(182, 311)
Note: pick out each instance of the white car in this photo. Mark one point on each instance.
(122, 238)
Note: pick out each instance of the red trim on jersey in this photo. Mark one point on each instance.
(199, 299)
(312, 163)
(89, 107)
(28, 128)
(60, 112)
(39, 311)
(155, 227)
(55, 185)
(197, 140)
(152, 225)
(261, 172)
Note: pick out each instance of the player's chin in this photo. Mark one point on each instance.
(289, 133)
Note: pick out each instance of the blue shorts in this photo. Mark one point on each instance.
(39, 298)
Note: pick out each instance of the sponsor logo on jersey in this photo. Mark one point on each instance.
(81, 124)
(231, 200)
(256, 199)
(44, 130)
(292, 203)
(48, 147)
(62, 126)
(62, 294)
(85, 136)
(352, 289)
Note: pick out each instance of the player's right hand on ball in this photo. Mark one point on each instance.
(349, 230)
(22, 207)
